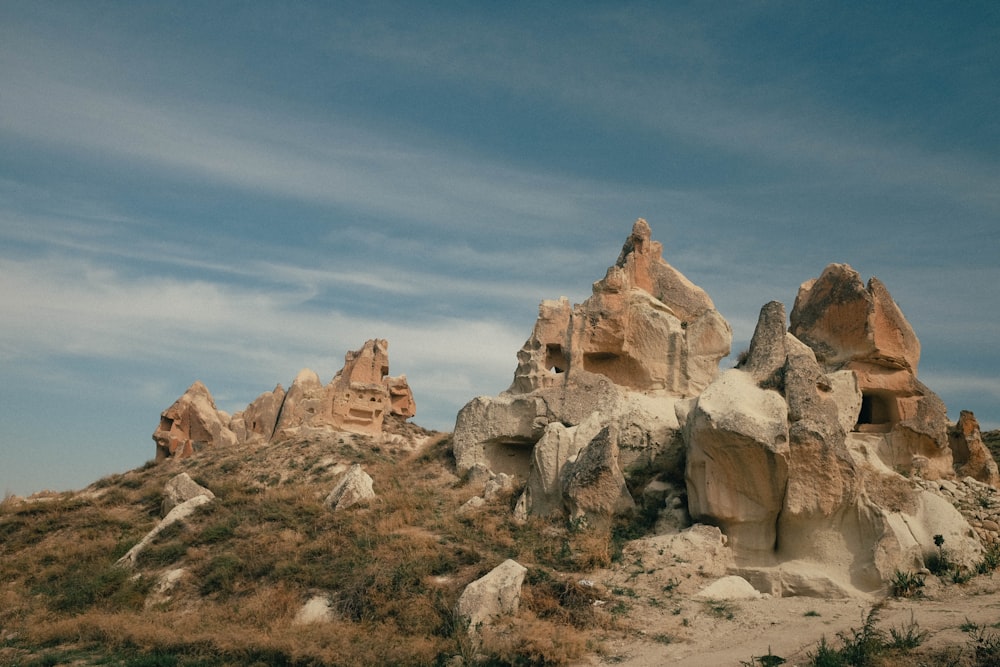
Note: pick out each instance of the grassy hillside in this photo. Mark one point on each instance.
(394, 569)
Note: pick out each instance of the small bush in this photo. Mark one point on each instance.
(906, 584)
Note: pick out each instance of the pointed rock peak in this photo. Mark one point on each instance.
(368, 365)
(639, 242)
(641, 266)
(198, 388)
(306, 378)
(843, 320)
(766, 356)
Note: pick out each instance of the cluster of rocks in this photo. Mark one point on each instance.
(357, 400)
(979, 503)
(804, 455)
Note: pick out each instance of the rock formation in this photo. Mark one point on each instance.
(816, 504)
(645, 341)
(822, 457)
(356, 486)
(356, 400)
(190, 424)
(860, 328)
(496, 594)
(972, 458)
(179, 490)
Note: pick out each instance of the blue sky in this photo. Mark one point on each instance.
(232, 191)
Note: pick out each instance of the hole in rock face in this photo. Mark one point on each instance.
(512, 456)
(555, 358)
(879, 412)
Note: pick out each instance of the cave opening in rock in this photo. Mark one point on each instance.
(555, 358)
(879, 411)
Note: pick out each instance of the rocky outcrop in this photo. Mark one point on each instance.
(644, 342)
(357, 400)
(737, 462)
(191, 424)
(258, 420)
(972, 458)
(491, 597)
(356, 486)
(829, 512)
(851, 326)
(594, 488)
(180, 489)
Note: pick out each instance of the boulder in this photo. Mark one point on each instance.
(543, 493)
(737, 461)
(971, 456)
(493, 596)
(181, 489)
(354, 487)
(191, 424)
(594, 488)
(317, 609)
(844, 321)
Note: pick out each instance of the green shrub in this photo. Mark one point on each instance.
(906, 584)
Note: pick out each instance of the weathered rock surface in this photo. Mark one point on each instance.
(354, 487)
(191, 424)
(179, 513)
(860, 328)
(737, 462)
(493, 596)
(845, 518)
(594, 488)
(181, 489)
(972, 458)
(644, 342)
(258, 420)
(357, 400)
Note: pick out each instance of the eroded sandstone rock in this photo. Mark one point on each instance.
(181, 489)
(191, 424)
(357, 400)
(645, 341)
(851, 326)
(356, 486)
(972, 458)
(491, 597)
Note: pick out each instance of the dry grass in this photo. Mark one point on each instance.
(394, 568)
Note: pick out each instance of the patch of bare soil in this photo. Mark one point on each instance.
(664, 623)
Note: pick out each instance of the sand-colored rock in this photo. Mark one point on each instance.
(594, 488)
(737, 461)
(491, 597)
(180, 489)
(192, 423)
(179, 513)
(356, 400)
(257, 420)
(356, 486)
(860, 328)
(971, 457)
(645, 339)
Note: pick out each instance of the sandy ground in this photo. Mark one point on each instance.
(663, 621)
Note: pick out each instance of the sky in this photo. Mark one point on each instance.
(233, 191)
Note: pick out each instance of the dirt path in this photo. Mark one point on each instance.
(677, 629)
